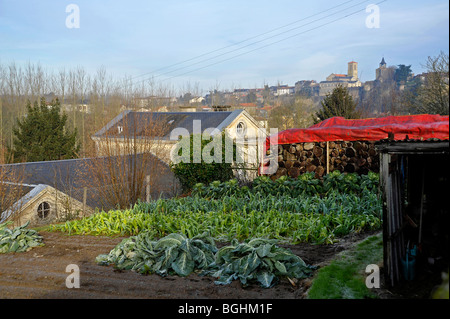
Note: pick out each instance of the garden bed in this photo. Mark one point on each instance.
(41, 273)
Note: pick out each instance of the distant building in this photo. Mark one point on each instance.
(353, 69)
(197, 100)
(349, 80)
(306, 88)
(383, 73)
(233, 122)
(284, 90)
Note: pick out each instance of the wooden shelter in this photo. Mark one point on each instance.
(414, 186)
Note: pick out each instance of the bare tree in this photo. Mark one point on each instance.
(433, 96)
(129, 153)
(295, 114)
(62, 77)
(82, 84)
(11, 191)
(2, 90)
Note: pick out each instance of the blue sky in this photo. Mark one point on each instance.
(136, 37)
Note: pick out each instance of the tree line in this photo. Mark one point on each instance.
(89, 101)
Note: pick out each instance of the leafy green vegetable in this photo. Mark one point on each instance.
(173, 254)
(259, 260)
(304, 185)
(305, 209)
(19, 239)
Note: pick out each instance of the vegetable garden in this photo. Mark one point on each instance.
(289, 210)
(179, 235)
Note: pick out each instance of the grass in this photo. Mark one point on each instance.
(345, 277)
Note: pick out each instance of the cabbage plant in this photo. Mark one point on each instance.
(18, 239)
(173, 254)
(257, 260)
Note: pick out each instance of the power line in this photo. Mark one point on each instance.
(240, 42)
(261, 47)
(253, 43)
(264, 46)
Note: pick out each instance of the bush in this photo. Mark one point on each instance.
(190, 173)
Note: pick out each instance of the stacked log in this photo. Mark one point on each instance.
(351, 157)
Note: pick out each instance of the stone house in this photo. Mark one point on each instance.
(239, 125)
(53, 191)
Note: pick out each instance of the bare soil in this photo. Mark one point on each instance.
(41, 273)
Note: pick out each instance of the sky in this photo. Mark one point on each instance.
(223, 44)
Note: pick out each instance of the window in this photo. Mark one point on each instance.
(240, 128)
(119, 129)
(43, 210)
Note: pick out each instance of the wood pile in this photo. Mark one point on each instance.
(351, 157)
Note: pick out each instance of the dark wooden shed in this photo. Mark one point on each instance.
(414, 185)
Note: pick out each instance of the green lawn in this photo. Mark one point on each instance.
(344, 277)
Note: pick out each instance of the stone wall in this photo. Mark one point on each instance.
(322, 157)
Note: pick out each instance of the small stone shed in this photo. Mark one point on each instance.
(51, 191)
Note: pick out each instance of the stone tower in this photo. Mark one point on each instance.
(383, 73)
(353, 69)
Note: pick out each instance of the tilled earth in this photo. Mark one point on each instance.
(41, 273)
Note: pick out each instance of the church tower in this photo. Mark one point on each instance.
(353, 69)
(383, 73)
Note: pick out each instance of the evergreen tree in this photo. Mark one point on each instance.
(337, 103)
(42, 135)
(402, 73)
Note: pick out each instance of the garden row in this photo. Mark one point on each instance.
(259, 260)
(320, 211)
(305, 185)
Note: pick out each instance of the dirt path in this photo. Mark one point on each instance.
(41, 273)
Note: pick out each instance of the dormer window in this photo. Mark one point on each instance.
(241, 128)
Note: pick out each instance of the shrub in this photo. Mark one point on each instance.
(190, 173)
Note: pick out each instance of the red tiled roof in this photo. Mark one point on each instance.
(248, 104)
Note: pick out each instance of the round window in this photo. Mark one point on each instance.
(43, 210)
(240, 128)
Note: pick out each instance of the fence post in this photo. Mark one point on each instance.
(328, 157)
(147, 188)
(84, 200)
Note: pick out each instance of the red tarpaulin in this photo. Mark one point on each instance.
(415, 127)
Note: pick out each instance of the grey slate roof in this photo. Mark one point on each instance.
(28, 192)
(170, 121)
(16, 190)
(69, 176)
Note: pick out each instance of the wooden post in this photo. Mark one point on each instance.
(84, 200)
(328, 157)
(147, 188)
